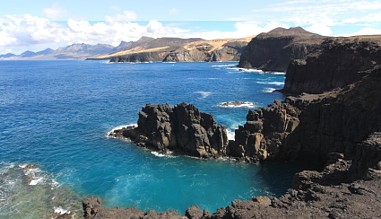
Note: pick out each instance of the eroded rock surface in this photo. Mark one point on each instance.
(183, 129)
(336, 63)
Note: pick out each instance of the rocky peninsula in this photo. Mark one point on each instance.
(335, 122)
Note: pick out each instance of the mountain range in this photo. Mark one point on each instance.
(144, 49)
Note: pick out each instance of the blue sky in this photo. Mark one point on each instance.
(39, 24)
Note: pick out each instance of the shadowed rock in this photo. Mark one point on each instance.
(183, 129)
(274, 50)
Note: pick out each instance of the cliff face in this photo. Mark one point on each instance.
(274, 50)
(230, 51)
(313, 125)
(179, 50)
(336, 63)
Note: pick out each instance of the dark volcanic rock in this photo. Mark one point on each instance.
(336, 63)
(140, 57)
(274, 50)
(93, 209)
(182, 129)
(340, 128)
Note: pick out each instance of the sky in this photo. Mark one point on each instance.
(40, 24)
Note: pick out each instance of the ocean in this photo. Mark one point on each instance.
(55, 115)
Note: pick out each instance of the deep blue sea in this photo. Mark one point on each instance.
(56, 114)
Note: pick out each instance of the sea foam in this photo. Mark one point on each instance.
(204, 94)
(268, 90)
(236, 104)
(271, 83)
(110, 133)
(157, 154)
(230, 134)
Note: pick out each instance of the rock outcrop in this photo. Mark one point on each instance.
(340, 129)
(183, 129)
(206, 52)
(274, 50)
(93, 209)
(310, 126)
(336, 63)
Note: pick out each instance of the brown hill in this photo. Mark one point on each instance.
(179, 50)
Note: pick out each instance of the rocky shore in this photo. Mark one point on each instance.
(335, 121)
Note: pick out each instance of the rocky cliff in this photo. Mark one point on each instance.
(340, 129)
(336, 63)
(179, 50)
(274, 50)
(183, 129)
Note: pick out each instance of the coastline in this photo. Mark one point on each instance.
(352, 172)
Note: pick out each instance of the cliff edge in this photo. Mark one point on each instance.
(274, 50)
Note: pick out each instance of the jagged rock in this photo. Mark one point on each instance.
(274, 50)
(262, 200)
(93, 209)
(336, 63)
(183, 129)
(92, 206)
(194, 212)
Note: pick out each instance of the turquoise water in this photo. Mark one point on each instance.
(56, 114)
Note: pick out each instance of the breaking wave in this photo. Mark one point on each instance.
(236, 104)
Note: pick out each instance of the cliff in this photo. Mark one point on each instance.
(179, 50)
(336, 63)
(274, 50)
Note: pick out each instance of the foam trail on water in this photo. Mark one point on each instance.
(204, 94)
(157, 154)
(109, 133)
(271, 83)
(268, 90)
(28, 191)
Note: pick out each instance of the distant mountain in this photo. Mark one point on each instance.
(27, 54)
(169, 49)
(8, 55)
(122, 46)
(74, 51)
(45, 52)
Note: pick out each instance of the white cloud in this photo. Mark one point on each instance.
(55, 13)
(321, 29)
(318, 16)
(366, 31)
(125, 16)
(173, 10)
(242, 29)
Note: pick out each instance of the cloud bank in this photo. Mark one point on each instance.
(342, 17)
